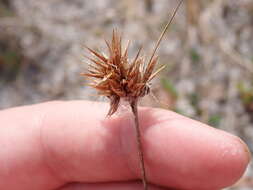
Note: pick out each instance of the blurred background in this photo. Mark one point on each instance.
(208, 52)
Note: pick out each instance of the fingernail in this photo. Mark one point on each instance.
(245, 148)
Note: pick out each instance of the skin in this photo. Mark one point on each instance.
(72, 145)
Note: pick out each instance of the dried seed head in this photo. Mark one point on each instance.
(115, 77)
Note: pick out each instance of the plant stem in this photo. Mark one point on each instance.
(139, 143)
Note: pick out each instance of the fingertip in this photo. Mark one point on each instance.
(235, 157)
(189, 154)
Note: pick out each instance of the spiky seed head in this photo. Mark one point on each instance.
(115, 77)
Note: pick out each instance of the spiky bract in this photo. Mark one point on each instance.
(115, 77)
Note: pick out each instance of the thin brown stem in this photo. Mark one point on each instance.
(164, 31)
(139, 143)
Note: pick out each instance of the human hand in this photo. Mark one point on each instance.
(71, 145)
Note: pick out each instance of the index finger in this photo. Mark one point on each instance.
(73, 141)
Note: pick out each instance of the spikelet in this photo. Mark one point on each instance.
(115, 76)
